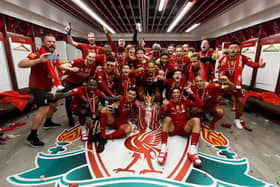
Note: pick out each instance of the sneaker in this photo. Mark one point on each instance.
(101, 145)
(84, 137)
(71, 123)
(195, 159)
(34, 141)
(162, 157)
(50, 125)
(238, 124)
(95, 137)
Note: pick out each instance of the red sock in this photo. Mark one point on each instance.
(164, 136)
(195, 137)
(117, 134)
(103, 123)
(214, 120)
(238, 115)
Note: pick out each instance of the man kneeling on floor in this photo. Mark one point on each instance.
(176, 123)
(116, 116)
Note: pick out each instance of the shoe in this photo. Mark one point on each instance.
(195, 159)
(84, 137)
(71, 123)
(101, 145)
(238, 124)
(34, 141)
(212, 126)
(95, 137)
(50, 125)
(60, 88)
(162, 157)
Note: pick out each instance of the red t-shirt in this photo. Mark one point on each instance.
(180, 63)
(125, 109)
(77, 93)
(105, 81)
(178, 111)
(83, 73)
(39, 77)
(85, 47)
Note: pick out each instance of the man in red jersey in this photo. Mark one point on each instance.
(211, 95)
(206, 54)
(166, 66)
(106, 77)
(196, 67)
(176, 123)
(41, 83)
(177, 81)
(232, 65)
(82, 46)
(85, 68)
(85, 103)
(126, 80)
(116, 116)
(181, 60)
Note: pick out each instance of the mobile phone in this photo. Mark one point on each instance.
(53, 57)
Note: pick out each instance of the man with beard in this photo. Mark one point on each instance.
(232, 65)
(121, 41)
(140, 58)
(84, 47)
(85, 68)
(155, 54)
(41, 83)
(126, 80)
(166, 66)
(176, 123)
(206, 55)
(116, 116)
(147, 82)
(106, 77)
(196, 67)
(211, 95)
(187, 51)
(181, 61)
(170, 51)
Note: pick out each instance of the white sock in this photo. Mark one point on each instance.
(83, 128)
(163, 148)
(192, 149)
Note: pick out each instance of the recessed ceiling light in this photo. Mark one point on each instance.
(93, 14)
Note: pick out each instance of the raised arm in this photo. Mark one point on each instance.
(26, 63)
(113, 45)
(70, 40)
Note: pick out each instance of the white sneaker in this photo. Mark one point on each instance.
(238, 124)
(163, 154)
(60, 88)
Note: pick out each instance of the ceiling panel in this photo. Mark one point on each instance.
(122, 15)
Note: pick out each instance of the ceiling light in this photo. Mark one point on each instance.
(181, 15)
(93, 14)
(192, 27)
(161, 5)
(139, 27)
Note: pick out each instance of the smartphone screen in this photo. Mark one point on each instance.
(53, 57)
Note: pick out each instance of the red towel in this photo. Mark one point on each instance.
(16, 98)
(265, 96)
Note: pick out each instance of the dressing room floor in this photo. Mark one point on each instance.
(260, 147)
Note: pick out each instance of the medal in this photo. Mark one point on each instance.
(177, 107)
(92, 106)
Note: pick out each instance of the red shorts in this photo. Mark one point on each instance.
(179, 129)
(119, 122)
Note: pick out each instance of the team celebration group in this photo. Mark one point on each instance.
(118, 85)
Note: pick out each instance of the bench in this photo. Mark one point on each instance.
(10, 112)
(266, 109)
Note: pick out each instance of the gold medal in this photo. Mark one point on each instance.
(177, 107)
